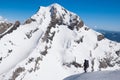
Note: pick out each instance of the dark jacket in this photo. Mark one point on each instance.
(86, 64)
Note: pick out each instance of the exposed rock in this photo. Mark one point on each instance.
(29, 34)
(73, 22)
(65, 10)
(4, 27)
(118, 62)
(100, 37)
(0, 58)
(93, 63)
(80, 25)
(17, 24)
(60, 21)
(86, 28)
(77, 65)
(71, 27)
(45, 51)
(53, 11)
(28, 21)
(102, 64)
(30, 60)
(118, 52)
(80, 40)
(107, 61)
(53, 22)
(9, 51)
(52, 35)
(17, 73)
(37, 63)
(96, 45)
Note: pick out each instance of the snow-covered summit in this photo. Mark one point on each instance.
(56, 11)
(52, 45)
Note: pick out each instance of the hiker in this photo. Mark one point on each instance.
(86, 65)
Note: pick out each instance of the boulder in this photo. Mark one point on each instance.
(28, 21)
(100, 37)
(80, 25)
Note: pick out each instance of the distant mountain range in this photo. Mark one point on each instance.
(112, 35)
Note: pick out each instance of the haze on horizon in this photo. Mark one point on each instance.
(97, 14)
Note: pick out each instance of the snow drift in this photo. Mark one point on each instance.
(100, 75)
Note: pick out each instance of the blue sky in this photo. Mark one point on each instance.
(102, 14)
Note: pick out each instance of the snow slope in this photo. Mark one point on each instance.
(100, 75)
(52, 45)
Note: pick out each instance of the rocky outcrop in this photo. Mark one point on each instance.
(28, 21)
(100, 37)
(80, 25)
(17, 72)
(118, 52)
(8, 28)
(4, 26)
(14, 27)
(17, 24)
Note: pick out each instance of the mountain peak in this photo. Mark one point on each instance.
(59, 15)
(56, 5)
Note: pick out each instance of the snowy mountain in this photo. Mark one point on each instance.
(52, 45)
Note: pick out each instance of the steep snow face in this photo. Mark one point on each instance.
(52, 45)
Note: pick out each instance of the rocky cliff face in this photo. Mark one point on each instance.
(4, 26)
(52, 45)
(7, 27)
